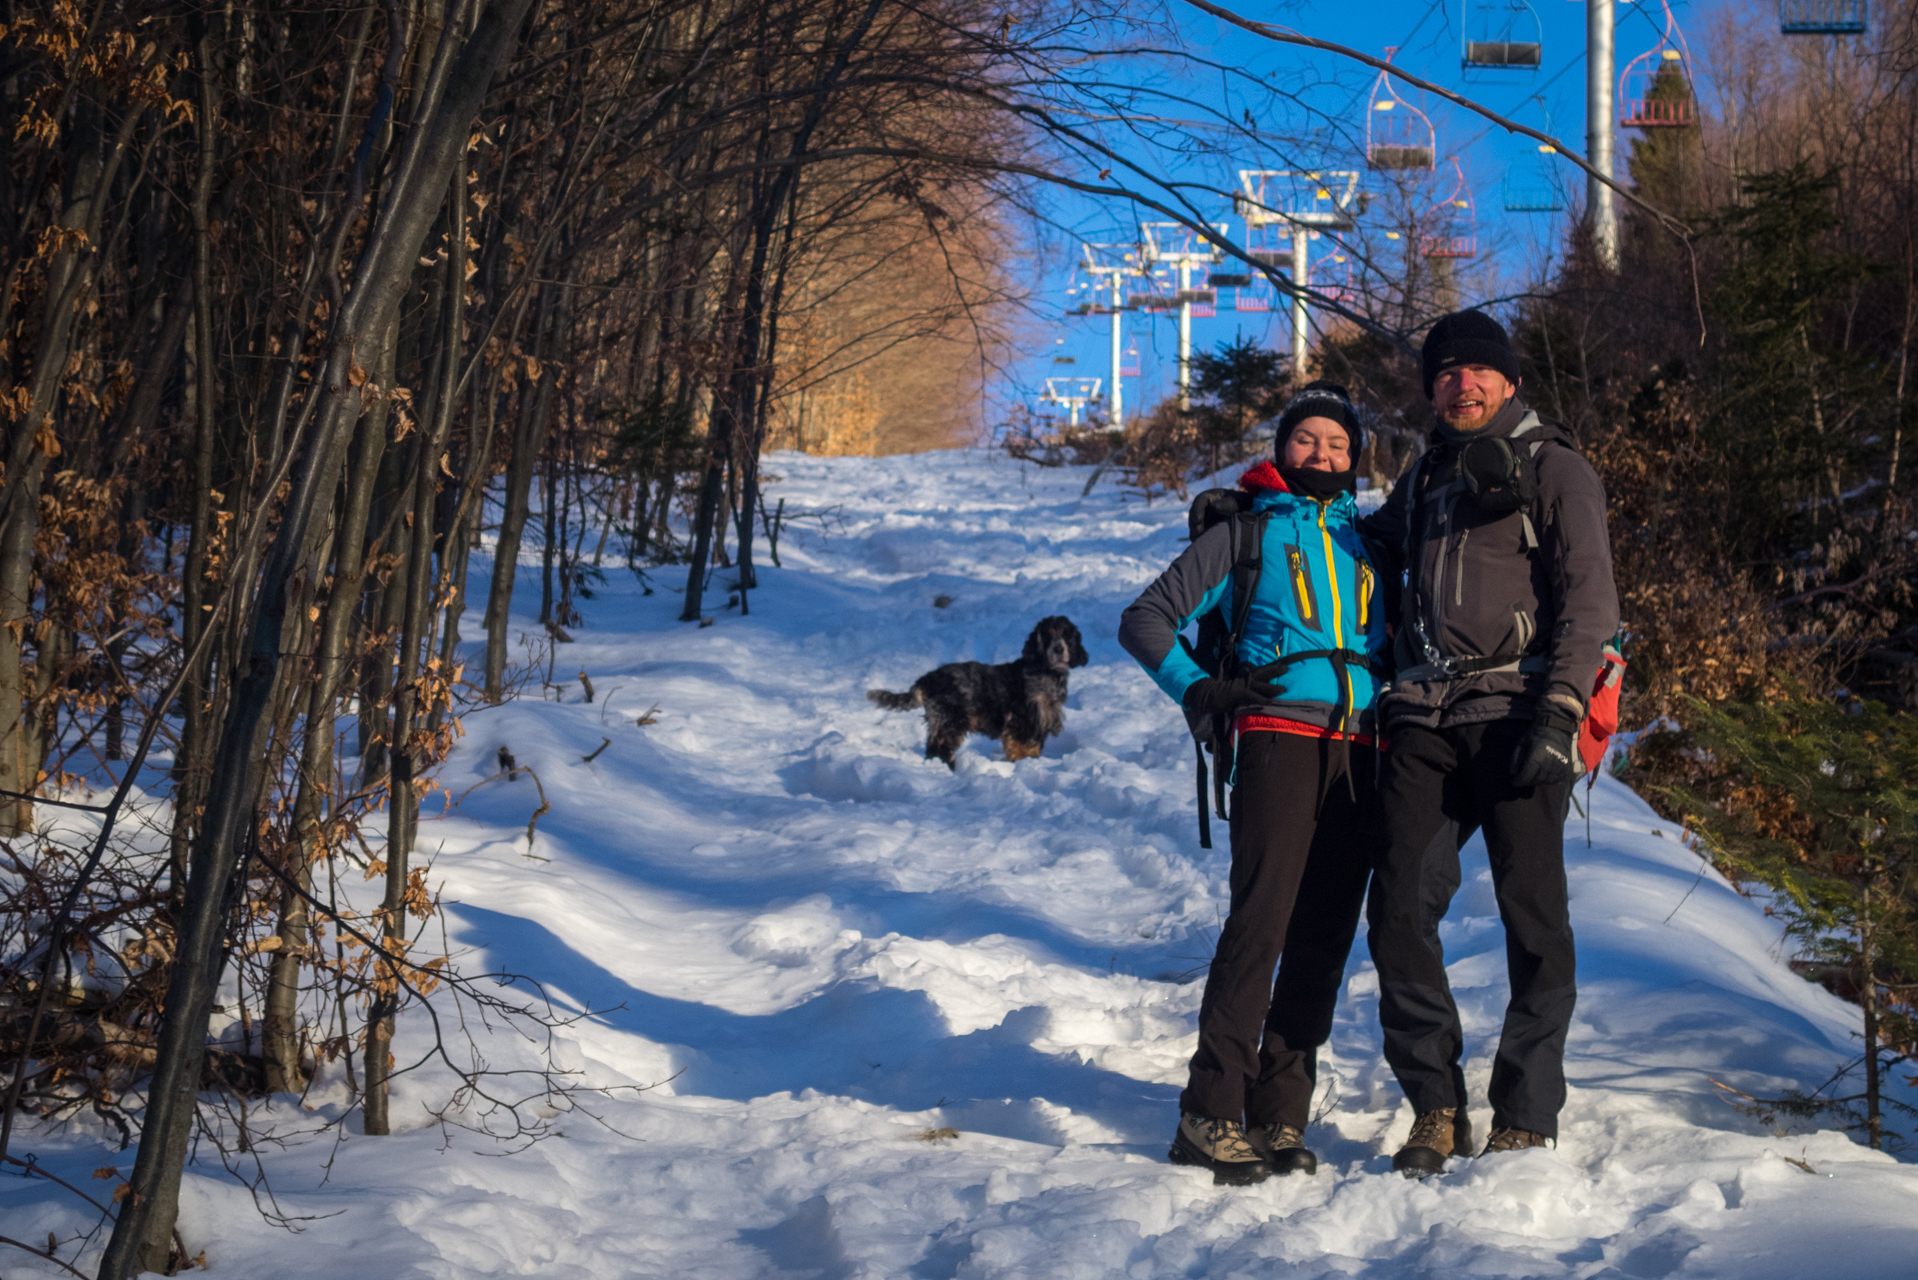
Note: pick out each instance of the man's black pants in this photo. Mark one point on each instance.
(1302, 848)
(1438, 786)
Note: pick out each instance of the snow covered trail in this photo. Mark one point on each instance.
(820, 947)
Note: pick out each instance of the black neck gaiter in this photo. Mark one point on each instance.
(1320, 485)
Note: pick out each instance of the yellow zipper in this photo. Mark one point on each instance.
(1338, 626)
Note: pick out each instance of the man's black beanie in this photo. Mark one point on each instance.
(1320, 399)
(1468, 337)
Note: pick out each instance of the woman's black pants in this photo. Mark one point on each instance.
(1302, 848)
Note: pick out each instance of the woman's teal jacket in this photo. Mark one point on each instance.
(1316, 592)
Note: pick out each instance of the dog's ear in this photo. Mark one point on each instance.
(1034, 653)
(1079, 655)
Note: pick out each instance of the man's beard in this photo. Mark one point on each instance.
(1470, 420)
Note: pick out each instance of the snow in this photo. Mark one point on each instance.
(813, 949)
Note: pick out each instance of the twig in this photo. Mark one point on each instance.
(1703, 862)
(1834, 588)
(545, 805)
(648, 716)
(603, 744)
(43, 1253)
(33, 1168)
(587, 685)
(64, 804)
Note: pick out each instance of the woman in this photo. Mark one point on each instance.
(1297, 708)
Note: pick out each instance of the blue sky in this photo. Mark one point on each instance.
(1331, 95)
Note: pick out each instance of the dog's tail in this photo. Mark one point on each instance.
(897, 701)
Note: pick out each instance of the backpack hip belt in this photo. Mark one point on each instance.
(1461, 668)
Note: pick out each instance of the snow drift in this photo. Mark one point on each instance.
(819, 950)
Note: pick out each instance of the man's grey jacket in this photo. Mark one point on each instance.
(1532, 588)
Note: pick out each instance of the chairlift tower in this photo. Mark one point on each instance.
(1601, 206)
(1108, 267)
(1073, 393)
(1175, 247)
(1304, 202)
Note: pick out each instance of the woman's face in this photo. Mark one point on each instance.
(1318, 444)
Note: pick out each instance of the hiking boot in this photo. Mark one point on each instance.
(1436, 1136)
(1218, 1145)
(1514, 1140)
(1283, 1148)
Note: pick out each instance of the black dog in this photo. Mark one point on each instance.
(1020, 703)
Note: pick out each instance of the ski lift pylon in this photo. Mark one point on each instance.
(1655, 88)
(1500, 35)
(1451, 225)
(1323, 199)
(1821, 17)
(1397, 134)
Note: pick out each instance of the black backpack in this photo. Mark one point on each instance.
(1217, 648)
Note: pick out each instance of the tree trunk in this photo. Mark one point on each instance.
(143, 1232)
(16, 620)
(556, 308)
(549, 532)
(1868, 998)
(280, 1032)
(405, 751)
(189, 766)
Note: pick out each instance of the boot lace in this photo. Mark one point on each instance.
(1513, 1140)
(1434, 1129)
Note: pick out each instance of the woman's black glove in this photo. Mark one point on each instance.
(1213, 696)
(1548, 756)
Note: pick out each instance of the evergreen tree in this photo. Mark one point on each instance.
(1817, 800)
(1242, 385)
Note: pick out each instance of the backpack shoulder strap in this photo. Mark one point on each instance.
(1414, 506)
(1531, 451)
(1248, 542)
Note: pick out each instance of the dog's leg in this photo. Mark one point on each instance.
(944, 735)
(1018, 750)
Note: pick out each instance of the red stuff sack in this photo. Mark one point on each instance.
(1601, 716)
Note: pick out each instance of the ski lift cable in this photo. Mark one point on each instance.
(1482, 134)
(1672, 224)
(1285, 35)
(1438, 6)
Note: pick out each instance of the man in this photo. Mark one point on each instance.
(1499, 534)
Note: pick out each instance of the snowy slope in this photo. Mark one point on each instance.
(816, 946)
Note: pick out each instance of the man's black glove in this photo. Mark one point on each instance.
(1213, 696)
(1548, 756)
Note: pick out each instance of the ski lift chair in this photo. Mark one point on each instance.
(1332, 278)
(1452, 223)
(1501, 36)
(1821, 17)
(1269, 245)
(1397, 134)
(1531, 185)
(1655, 89)
(1255, 297)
